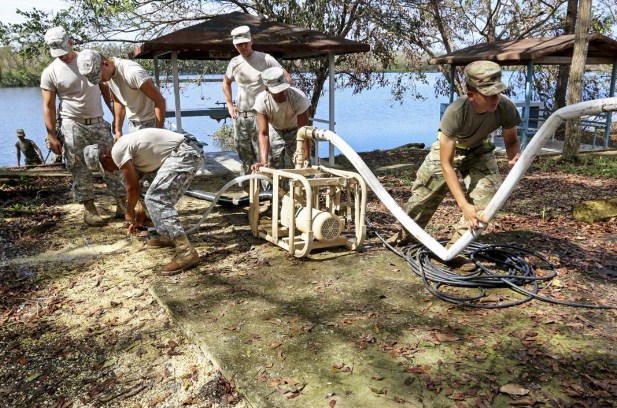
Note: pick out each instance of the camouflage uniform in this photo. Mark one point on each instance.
(136, 125)
(76, 137)
(282, 148)
(473, 155)
(245, 140)
(171, 182)
(478, 168)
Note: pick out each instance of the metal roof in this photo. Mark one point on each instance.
(543, 50)
(211, 40)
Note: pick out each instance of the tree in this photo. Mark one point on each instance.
(95, 22)
(429, 28)
(573, 126)
(564, 70)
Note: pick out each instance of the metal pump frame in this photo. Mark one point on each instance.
(341, 193)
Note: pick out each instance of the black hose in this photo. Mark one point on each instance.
(498, 266)
(227, 201)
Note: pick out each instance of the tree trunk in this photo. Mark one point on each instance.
(575, 88)
(564, 70)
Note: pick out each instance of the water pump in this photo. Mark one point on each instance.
(312, 207)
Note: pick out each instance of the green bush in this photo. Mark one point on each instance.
(224, 137)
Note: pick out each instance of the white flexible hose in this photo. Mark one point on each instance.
(516, 173)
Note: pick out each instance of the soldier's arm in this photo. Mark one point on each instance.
(228, 98)
(152, 92)
(264, 141)
(447, 148)
(49, 117)
(513, 146)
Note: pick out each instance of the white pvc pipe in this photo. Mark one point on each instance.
(516, 173)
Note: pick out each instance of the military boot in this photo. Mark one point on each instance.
(91, 215)
(186, 256)
(159, 242)
(460, 262)
(120, 207)
(401, 238)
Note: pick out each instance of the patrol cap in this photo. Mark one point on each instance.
(241, 34)
(485, 76)
(21, 133)
(58, 41)
(89, 64)
(91, 156)
(274, 79)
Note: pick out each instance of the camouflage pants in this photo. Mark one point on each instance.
(481, 177)
(282, 148)
(76, 137)
(245, 142)
(171, 182)
(137, 125)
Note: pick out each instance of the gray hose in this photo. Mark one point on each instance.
(238, 180)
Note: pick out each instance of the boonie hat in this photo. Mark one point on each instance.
(241, 34)
(89, 64)
(485, 76)
(274, 79)
(58, 41)
(21, 133)
(91, 156)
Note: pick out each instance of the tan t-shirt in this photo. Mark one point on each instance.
(247, 74)
(80, 100)
(282, 115)
(147, 148)
(460, 121)
(125, 83)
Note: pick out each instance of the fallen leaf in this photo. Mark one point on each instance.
(514, 389)
(109, 363)
(33, 377)
(446, 337)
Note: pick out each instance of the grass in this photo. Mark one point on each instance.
(20, 209)
(586, 164)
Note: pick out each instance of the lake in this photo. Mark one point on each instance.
(367, 121)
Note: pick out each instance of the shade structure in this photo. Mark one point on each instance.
(536, 51)
(542, 51)
(211, 40)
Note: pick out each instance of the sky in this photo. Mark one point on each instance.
(8, 8)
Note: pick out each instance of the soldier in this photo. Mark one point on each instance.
(463, 145)
(174, 159)
(32, 153)
(82, 122)
(281, 110)
(132, 90)
(246, 70)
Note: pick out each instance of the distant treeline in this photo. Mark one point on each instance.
(16, 71)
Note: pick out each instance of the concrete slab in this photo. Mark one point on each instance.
(220, 163)
(293, 334)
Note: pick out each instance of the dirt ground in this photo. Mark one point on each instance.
(78, 326)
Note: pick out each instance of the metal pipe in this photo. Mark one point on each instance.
(174, 67)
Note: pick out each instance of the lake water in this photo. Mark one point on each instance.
(367, 121)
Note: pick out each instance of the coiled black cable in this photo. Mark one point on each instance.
(498, 266)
